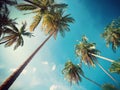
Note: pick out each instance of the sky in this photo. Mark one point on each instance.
(44, 71)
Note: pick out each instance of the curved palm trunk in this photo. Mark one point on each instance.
(92, 81)
(10, 80)
(107, 59)
(107, 73)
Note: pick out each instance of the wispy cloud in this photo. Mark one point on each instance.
(34, 69)
(44, 62)
(58, 87)
(53, 67)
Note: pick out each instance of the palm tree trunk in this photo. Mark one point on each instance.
(92, 81)
(107, 59)
(107, 73)
(10, 80)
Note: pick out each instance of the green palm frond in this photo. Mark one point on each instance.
(115, 67)
(19, 42)
(108, 87)
(14, 28)
(24, 32)
(26, 7)
(23, 27)
(36, 3)
(59, 6)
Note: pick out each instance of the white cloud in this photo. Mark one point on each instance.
(53, 67)
(45, 62)
(34, 69)
(58, 87)
(53, 87)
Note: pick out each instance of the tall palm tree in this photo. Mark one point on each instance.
(88, 53)
(115, 67)
(63, 26)
(74, 72)
(108, 87)
(12, 35)
(41, 8)
(112, 34)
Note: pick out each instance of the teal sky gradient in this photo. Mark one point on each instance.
(44, 72)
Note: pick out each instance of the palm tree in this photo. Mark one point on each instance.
(108, 87)
(74, 72)
(12, 35)
(88, 53)
(112, 34)
(115, 67)
(41, 8)
(63, 26)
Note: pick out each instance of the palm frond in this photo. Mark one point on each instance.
(59, 6)
(14, 28)
(108, 87)
(22, 29)
(36, 21)
(115, 67)
(10, 42)
(19, 42)
(26, 7)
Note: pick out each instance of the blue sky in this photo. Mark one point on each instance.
(44, 72)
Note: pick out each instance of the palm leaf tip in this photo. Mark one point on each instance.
(115, 67)
(108, 87)
(35, 22)
(24, 7)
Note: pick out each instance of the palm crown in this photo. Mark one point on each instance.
(72, 72)
(112, 34)
(13, 35)
(40, 7)
(84, 50)
(55, 22)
